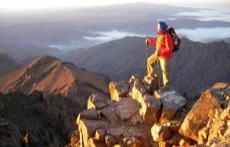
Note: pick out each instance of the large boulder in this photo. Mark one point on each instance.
(172, 102)
(150, 109)
(197, 118)
(123, 110)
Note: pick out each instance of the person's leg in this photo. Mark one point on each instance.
(150, 64)
(165, 68)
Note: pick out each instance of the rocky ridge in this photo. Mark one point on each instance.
(137, 116)
(52, 76)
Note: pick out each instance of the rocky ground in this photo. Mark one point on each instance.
(137, 117)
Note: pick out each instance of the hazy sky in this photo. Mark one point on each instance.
(37, 4)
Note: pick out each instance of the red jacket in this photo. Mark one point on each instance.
(164, 44)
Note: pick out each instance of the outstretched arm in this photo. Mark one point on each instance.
(150, 42)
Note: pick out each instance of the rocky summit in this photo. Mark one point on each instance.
(136, 117)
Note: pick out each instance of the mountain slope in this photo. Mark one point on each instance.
(195, 67)
(7, 64)
(52, 76)
(118, 59)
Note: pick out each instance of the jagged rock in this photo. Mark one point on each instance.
(203, 135)
(217, 132)
(172, 102)
(88, 129)
(150, 106)
(137, 90)
(96, 102)
(118, 90)
(150, 109)
(124, 110)
(160, 133)
(197, 118)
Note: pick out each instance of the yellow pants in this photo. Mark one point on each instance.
(164, 65)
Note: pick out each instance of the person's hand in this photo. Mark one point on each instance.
(147, 41)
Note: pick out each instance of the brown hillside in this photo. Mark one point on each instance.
(52, 76)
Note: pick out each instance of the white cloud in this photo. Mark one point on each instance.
(205, 34)
(108, 36)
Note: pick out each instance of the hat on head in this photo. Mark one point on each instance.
(163, 26)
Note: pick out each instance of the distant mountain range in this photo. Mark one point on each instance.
(69, 28)
(52, 76)
(197, 66)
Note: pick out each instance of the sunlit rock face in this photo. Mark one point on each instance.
(132, 116)
(135, 117)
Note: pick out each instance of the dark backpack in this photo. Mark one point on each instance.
(176, 39)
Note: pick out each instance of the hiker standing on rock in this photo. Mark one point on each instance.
(163, 53)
